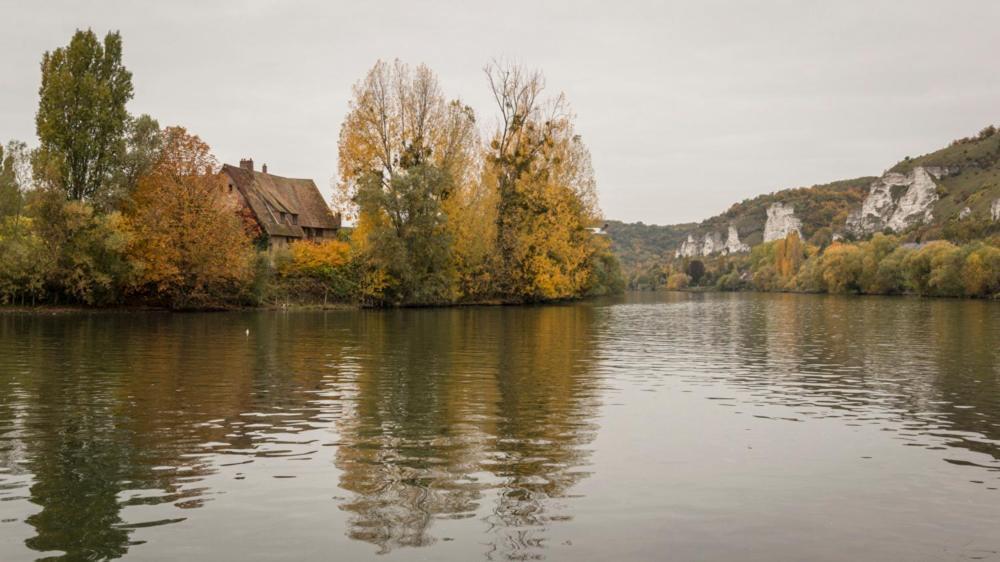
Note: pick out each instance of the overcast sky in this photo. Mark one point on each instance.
(687, 106)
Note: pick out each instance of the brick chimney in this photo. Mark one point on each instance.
(247, 164)
(264, 168)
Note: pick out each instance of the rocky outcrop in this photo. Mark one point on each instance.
(964, 213)
(896, 202)
(995, 210)
(688, 248)
(710, 244)
(781, 222)
(733, 244)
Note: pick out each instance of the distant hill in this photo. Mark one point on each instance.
(953, 192)
(639, 245)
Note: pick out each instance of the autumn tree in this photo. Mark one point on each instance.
(187, 246)
(82, 120)
(877, 275)
(981, 271)
(677, 281)
(841, 268)
(408, 161)
(546, 196)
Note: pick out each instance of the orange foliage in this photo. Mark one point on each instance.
(188, 248)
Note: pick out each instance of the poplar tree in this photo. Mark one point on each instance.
(82, 120)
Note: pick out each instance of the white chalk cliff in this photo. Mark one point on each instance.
(881, 210)
(995, 210)
(710, 244)
(733, 244)
(688, 248)
(781, 221)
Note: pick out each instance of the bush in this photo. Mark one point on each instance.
(981, 271)
(677, 281)
(318, 268)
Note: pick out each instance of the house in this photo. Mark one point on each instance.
(286, 209)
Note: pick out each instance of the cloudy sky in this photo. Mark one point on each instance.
(687, 106)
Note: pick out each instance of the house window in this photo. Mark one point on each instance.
(295, 219)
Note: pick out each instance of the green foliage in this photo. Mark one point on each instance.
(143, 143)
(24, 268)
(407, 238)
(82, 120)
(641, 247)
(81, 252)
(15, 177)
(606, 274)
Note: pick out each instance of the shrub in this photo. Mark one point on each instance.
(677, 281)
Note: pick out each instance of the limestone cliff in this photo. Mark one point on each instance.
(689, 248)
(710, 244)
(781, 222)
(995, 210)
(734, 246)
(896, 202)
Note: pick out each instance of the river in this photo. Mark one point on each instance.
(648, 427)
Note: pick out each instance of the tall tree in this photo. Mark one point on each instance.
(546, 195)
(81, 119)
(405, 152)
(187, 246)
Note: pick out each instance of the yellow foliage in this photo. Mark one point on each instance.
(841, 267)
(981, 271)
(677, 281)
(309, 256)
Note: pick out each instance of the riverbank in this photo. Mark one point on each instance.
(995, 297)
(301, 306)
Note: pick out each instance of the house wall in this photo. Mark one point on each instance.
(278, 243)
(232, 196)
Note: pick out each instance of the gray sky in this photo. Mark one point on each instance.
(686, 106)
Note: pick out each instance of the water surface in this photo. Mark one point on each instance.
(666, 426)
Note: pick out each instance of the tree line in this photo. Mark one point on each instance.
(883, 265)
(112, 208)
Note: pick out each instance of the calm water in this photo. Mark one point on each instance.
(685, 427)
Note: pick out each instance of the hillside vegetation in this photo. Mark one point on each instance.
(973, 181)
(966, 192)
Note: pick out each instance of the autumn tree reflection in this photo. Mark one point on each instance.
(463, 412)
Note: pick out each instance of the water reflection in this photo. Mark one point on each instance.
(427, 414)
(424, 427)
(447, 418)
(931, 365)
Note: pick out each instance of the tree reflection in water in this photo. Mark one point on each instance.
(472, 424)
(458, 408)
